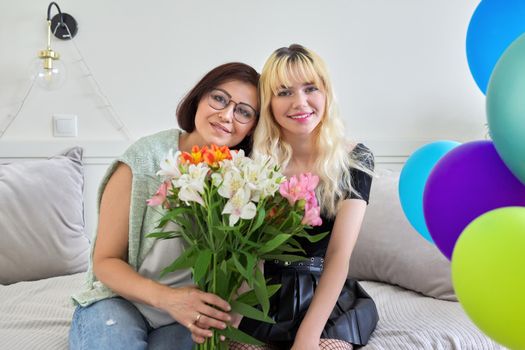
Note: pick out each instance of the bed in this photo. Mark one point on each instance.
(42, 262)
(37, 315)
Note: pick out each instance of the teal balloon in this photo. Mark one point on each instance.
(506, 107)
(413, 178)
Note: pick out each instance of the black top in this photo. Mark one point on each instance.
(361, 182)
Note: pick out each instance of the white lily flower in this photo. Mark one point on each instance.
(192, 184)
(170, 166)
(255, 175)
(239, 206)
(238, 161)
(233, 182)
(216, 179)
(262, 177)
(188, 195)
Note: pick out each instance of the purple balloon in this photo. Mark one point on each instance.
(468, 181)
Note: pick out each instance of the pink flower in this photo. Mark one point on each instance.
(159, 197)
(311, 200)
(290, 190)
(299, 187)
(303, 188)
(312, 217)
(309, 181)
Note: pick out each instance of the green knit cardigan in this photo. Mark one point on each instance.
(143, 157)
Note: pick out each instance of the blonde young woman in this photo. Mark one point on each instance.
(317, 307)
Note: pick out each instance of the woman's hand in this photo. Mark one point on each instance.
(196, 310)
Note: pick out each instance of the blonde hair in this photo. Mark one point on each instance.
(334, 159)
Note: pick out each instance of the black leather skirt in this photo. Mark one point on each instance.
(353, 318)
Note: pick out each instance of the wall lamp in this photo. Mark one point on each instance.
(48, 71)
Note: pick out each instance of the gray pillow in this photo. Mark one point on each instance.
(389, 250)
(42, 218)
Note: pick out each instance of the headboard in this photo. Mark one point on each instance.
(99, 154)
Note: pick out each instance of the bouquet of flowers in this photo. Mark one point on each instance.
(233, 211)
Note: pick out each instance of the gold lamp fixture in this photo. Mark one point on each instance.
(48, 71)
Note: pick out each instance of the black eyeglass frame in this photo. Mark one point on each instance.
(210, 101)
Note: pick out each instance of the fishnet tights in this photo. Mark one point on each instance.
(324, 344)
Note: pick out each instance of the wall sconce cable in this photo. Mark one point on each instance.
(11, 117)
(117, 121)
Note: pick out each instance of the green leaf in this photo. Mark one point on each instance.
(293, 242)
(274, 243)
(318, 237)
(202, 264)
(290, 249)
(261, 292)
(163, 234)
(184, 261)
(240, 268)
(226, 228)
(271, 230)
(272, 289)
(284, 257)
(239, 336)
(223, 280)
(258, 221)
(250, 312)
(251, 260)
(187, 226)
(174, 213)
(250, 298)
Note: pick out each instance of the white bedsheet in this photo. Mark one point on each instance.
(37, 315)
(411, 321)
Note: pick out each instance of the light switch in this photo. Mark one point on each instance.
(65, 125)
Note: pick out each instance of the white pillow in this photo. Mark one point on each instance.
(390, 250)
(42, 218)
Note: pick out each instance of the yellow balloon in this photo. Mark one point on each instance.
(488, 273)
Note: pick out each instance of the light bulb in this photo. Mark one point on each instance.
(48, 73)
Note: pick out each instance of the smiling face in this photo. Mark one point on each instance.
(298, 108)
(219, 127)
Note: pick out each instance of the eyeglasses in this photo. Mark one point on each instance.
(243, 113)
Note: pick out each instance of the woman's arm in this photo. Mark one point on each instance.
(111, 267)
(342, 241)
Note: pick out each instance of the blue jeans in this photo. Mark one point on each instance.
(116, 323)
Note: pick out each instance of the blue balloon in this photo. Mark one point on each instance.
(493, 26)
(413, 179)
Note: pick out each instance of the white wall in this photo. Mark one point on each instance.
(399, 66)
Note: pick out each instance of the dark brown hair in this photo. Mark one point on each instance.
(232, 71)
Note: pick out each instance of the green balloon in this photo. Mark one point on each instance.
(488, 273)
(506, 107)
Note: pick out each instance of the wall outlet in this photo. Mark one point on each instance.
(65, 125)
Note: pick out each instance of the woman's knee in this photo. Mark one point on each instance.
(108, 324)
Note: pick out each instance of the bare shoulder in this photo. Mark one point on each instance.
(121, 175)
(118, 186)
